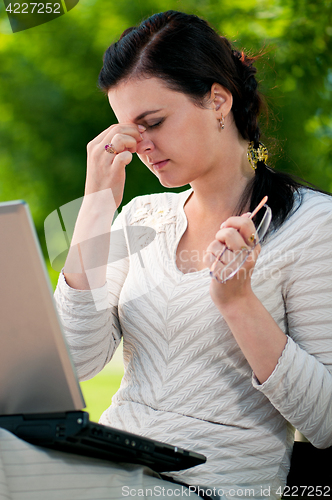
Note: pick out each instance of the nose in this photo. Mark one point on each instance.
(145, 147)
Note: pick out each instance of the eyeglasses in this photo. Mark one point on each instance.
(233, 261)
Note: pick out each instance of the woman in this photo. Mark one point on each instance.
(226, 367)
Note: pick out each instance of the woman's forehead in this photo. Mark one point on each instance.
(135, 99)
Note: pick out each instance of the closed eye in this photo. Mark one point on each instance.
(154, 125)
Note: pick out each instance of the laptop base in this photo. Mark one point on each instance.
(73, 432)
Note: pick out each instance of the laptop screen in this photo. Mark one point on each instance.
(36, 371)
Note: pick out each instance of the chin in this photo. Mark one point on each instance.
(169, 181)
(171, 184)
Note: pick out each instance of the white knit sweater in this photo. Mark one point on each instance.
(186, 381)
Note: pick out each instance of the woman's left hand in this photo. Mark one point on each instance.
(237, 235)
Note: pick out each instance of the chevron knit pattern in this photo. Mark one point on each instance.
(186, 381)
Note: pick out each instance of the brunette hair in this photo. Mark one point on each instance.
(189, 56)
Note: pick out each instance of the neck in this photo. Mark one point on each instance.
(218, 195)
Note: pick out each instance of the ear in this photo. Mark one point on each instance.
(221, 99)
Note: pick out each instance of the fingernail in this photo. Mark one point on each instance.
(246, 215)
(222, 225)
(141, 128)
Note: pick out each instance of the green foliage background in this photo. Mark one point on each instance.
(50, 107)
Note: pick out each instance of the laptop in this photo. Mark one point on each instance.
(40, 397)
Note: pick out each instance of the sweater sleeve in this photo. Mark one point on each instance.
(300, 386)
(90, 317)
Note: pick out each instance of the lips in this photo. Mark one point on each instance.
(159, 164)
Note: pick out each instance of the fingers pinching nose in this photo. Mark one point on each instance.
(141, 129)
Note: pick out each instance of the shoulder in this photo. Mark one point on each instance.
(311, 215)
(311, 208)
(309, 204)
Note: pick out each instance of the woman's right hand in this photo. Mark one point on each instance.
(105, 180)
(107, 170)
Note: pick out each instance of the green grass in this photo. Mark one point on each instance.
(99, 390)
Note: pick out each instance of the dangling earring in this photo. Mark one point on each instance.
(255, 155)
(221, 122)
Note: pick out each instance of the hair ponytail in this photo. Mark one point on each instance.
(249, 102)
(279, 187)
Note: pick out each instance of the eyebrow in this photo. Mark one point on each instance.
(143, 115)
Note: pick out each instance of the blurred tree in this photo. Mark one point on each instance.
(50, 107)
